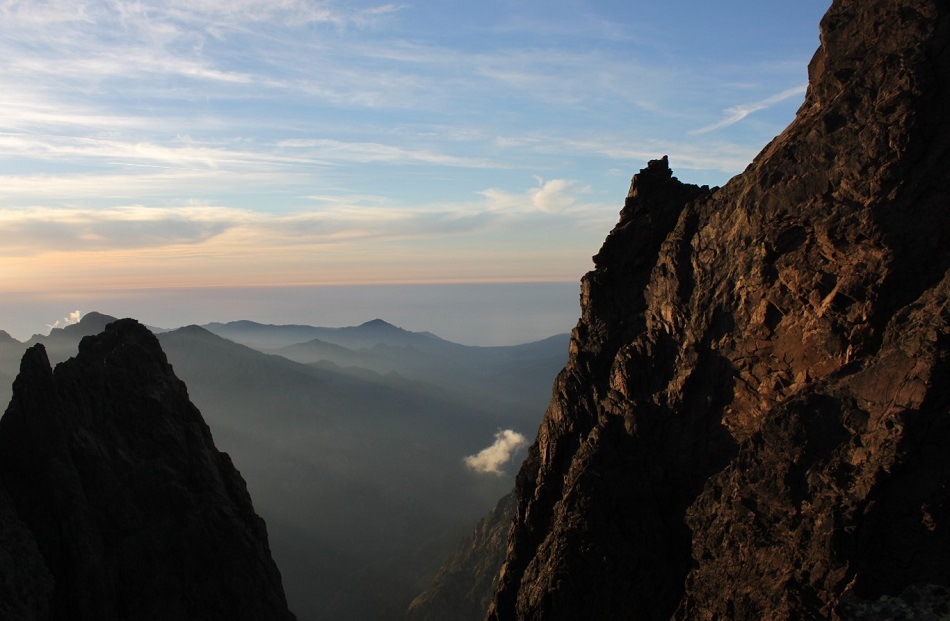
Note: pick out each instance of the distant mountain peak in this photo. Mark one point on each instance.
(195, 329)
(95, 316)
(91, 323)
(379, 323)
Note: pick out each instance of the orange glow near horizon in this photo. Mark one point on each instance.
(182, 268)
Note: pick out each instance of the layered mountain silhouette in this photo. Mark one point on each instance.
(511, 379)
(356, 459)
(366, 335)
(114, 501)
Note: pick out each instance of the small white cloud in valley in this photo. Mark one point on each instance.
(492, 459)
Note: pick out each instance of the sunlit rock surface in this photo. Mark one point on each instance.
(754, 419)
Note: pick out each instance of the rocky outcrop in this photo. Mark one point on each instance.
(754, 422)
(463, 588)
(117, 504)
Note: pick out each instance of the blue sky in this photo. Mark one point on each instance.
(291, 142)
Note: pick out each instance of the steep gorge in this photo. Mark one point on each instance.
(753, 422)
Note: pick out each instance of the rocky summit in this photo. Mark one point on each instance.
(115, 503)
(754, 422)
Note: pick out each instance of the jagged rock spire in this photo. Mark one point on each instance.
(114, 475)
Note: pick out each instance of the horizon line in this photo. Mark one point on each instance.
(368, 283)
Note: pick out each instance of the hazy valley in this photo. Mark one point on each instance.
(352, 442)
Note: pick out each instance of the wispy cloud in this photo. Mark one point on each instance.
(737, 113)
(625, 148)
(138, 182)
(493, 459)
(105, 47)
(584, 25)
(369, 152)
(185, 154)
(552, 196)
(117, 167)
(24, 110)
(330, 219)
(40, 230)
(44, 13)
(51, 12)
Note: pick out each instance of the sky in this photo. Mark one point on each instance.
(243, 144)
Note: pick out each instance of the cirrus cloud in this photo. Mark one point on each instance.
(737, 113)
(37, 230)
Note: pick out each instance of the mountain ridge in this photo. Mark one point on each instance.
(261, 335)
(749, 420)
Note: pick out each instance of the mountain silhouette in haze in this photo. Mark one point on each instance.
(515, 378)
(355, 459)
(114, 501)
(368, 334)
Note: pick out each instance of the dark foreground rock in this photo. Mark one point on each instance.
(755, 419)
(115, 503)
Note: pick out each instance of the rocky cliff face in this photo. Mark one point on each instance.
(754, 419)
(463, 588)
(115, 503)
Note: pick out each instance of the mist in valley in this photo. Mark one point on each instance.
(370, 450)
